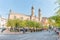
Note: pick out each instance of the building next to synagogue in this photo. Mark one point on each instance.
(3, 22)
(32, 17)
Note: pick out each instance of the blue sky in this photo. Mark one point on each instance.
(24, 6)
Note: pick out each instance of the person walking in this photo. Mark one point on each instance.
(49, 28)
(23, 30)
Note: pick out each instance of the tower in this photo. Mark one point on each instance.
(9, 13)
(39, 14)
(32, 12)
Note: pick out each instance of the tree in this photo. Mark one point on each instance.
(17, 23)
(10, 23)
(29, 23)
(33, 24)
(58, 12)
(22, 23)
(57, 20)
(56, 17)
(58, 1)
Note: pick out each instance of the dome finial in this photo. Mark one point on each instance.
(39, 9)
(10, 10)
(32, 7)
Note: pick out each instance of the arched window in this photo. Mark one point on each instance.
(27, 18)
(21, 18)
(14, 17)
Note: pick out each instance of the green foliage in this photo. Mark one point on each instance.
(57, 20)
(33, 24)
(56, 17)
(58, 1)
(21, 23)
(10, 23)
(58, 12)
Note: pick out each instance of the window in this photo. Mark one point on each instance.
(1, 19)
(21, 18)
(3, 25)
(14, 17)
(33, 19)
(27, 18)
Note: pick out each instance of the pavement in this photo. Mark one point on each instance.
(44, 35)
